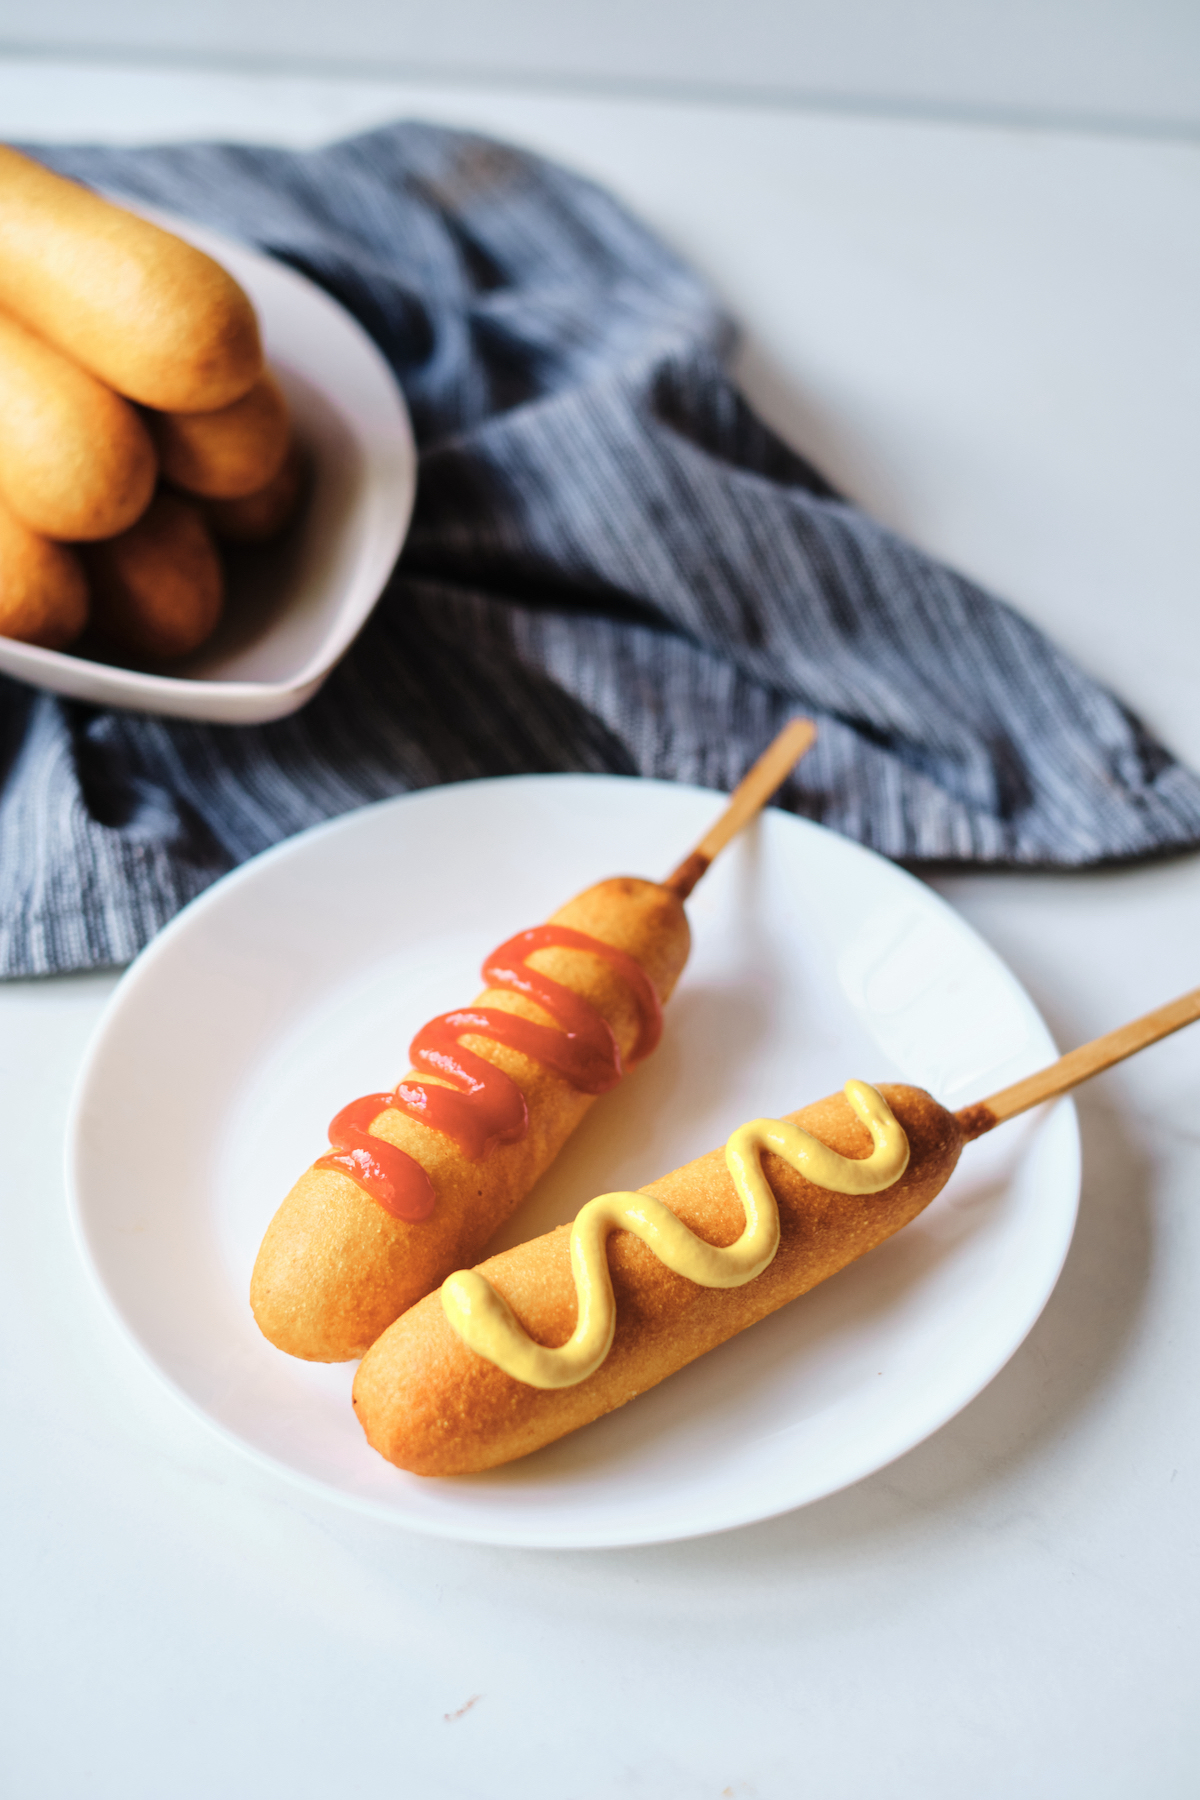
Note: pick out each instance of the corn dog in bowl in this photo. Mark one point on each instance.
(308, 522)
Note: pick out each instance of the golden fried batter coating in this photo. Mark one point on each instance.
(430, 1405)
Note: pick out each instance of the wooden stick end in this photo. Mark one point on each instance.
(682, 880)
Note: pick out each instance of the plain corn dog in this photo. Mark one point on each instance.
(257, 518)
(433, 1406)
(335, 1268)
(76, 461)
(158, 589)
(227, 454)
(43, 589)
(150, 315)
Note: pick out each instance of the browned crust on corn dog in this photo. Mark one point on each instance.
(150, 315)
(431, 1405)
(335, 1269)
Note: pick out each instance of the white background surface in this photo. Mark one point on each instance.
(988, 336)
(1125, 63)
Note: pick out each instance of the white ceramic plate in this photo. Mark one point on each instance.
(294, 606)
(296, 983)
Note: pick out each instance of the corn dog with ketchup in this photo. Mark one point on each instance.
(417, 1180)
(555, 1333)
(228, 454)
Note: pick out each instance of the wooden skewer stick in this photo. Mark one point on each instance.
(1079, 1065)
(749, 797)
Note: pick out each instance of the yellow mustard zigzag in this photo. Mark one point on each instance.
(485, 1321)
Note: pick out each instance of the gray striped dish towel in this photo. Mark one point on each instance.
(613, 566)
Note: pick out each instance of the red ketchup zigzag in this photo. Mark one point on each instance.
(484, 1107)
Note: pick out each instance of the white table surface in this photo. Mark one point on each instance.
(989, 338)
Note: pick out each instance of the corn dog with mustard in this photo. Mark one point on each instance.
(152, 316)
(43, 589)
(417, 1180)
(549, 1336)
(76, 461)
(584, 1332)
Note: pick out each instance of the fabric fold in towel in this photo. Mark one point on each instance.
(613, 566)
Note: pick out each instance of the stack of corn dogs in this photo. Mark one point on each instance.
(140, 425)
